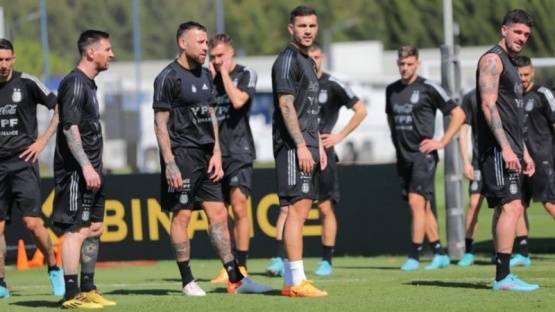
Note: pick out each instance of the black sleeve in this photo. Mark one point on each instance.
(39, 92)
(440, 98)
(467, 107)
(346, 96)
(285, 76)
(388, 109)
(548, 103)
(166, 88)
(71, 98)
(248, 80)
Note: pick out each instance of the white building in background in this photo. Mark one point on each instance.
(364, 66)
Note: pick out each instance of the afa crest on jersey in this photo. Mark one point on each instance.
(415, 97)
(194, 89)
(529, 105)
(323, 96)
(16, 95)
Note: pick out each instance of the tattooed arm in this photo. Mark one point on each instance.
(215, 165)
(490, 68)
(173, 175)
(73, 137)
(32, 151)
(289, 114)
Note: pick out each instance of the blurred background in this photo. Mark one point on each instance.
(360, 38)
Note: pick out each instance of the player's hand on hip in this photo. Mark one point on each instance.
(32, 151)
(330, 139)
(92, 178)
(306, 162)
(173, 175)
(511, 160)
(429, 145)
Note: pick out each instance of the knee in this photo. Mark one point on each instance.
(284, 210)
(181, 218)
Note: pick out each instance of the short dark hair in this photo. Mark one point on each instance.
(184, 27)
(406, 51)
(315, 46)
(89, 37)
(220, 38)
(518, 16)
(522, 60)
(6, 44)
(301, 11)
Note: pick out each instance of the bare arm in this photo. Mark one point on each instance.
(32, 151)
(463, 143)
(73, 137)
(173, 175)
(360, 113)
(490, 69)
(237, 97)
(457, 118)
(290, 118)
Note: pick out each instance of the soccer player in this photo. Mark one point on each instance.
(20, 146)
(411, 105)
(471, 172)
(503, 154)
(79, 198)
(539, 107)
(332, 96)
(298, 152)
(191, 160)
(235, 86)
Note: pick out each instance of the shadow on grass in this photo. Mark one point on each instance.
(222, 290)
(368, 267)
(449, 284)
(151, 292)
(37, 304)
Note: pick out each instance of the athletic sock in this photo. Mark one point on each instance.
(242, 256)
(415, 251)
(87, 282)
(185, 271)
(327, 252)
(521, 243)
(469, 245)
(279, 252)
(297, 272)
(287, 278)
(437, 248)
(55, 267)
(233, 272)
(72, 289)
(502, 268)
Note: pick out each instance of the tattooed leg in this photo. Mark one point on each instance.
(219, 236)
(178, 235)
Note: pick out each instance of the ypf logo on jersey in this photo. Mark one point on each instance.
(415, 97)
(16, 95)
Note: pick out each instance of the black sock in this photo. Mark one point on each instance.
(521, 243)
(502, 268)
(279, 249)
(55, 267)
(72, 289)
(437, 248)
(87, 282)
(242, 256)
(233, 272)
(3, 282)
(415, 251)
(185, 271)
(469, 245)
(327, 253)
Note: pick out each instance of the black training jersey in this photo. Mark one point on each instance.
(333, 94)
(539, 106)
(235, 132)
(413, 108)
(509, 104)
(19, 97)
(78, 105)
(187, 94)
(294, 73)
(470, 108)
